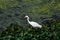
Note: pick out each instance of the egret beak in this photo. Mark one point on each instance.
(24, 17)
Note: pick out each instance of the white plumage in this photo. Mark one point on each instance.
(34, 24)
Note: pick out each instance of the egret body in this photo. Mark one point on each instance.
(34, 24)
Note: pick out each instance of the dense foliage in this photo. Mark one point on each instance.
(16, 32)
(13, 25)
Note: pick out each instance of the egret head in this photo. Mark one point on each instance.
(26, 16)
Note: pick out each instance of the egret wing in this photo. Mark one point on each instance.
(34, 23)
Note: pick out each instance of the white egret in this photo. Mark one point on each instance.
(34, 24)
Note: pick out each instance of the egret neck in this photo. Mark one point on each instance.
(28, 19)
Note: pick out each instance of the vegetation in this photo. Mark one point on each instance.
(13, 25)
(17, 32)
